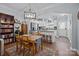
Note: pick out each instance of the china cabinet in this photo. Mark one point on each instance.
(7, 28)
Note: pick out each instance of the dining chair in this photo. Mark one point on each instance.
(38, 44)
(27, 45)
(18, 44)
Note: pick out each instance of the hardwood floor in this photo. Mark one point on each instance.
(48, 50)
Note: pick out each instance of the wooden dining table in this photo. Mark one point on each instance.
(33, 39)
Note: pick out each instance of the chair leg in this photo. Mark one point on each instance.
(32, 51)
(23, 50)
(16, 47)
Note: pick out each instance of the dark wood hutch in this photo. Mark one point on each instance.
(7, 28)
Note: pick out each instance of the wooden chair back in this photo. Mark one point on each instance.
(25, 38)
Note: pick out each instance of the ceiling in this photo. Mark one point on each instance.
(39, 8)
(34, 6)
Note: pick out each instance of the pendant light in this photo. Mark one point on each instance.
(29, 14)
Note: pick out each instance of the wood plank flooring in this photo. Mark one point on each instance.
(48, 50)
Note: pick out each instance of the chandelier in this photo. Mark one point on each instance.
(29, 14)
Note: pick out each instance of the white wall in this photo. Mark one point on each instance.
(78, 33)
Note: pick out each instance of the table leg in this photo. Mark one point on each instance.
(33, 49)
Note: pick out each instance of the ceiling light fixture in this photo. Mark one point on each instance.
(29, 14)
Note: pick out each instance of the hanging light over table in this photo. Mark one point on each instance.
(29, 14)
